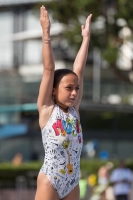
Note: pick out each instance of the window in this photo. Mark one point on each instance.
(6, 47)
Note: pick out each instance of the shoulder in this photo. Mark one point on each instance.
(76, 111)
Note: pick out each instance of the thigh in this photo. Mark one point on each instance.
(73, 195)
(45, 190)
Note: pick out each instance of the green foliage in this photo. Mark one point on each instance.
(124, 9)
(107, 39)
(24, 166)
(88, 166)
(9, 172)
(110, 54)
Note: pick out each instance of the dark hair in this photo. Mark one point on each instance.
(59, 73)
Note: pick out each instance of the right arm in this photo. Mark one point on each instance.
(46, 86)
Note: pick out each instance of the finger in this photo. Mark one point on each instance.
(41, 12)
(46, 14)
(44, 9)
(82, 27)
(89, 18)
(88, 21)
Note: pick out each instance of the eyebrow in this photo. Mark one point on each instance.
(69, 84)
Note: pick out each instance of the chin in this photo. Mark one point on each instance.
(71, 104)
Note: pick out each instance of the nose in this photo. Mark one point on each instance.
(74, 92)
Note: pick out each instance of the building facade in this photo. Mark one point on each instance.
(107, 105)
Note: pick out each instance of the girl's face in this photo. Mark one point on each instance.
(66, 93)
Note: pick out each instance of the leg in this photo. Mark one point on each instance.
(73, 195)
(45, 190)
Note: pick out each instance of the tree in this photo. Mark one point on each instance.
(106, 26)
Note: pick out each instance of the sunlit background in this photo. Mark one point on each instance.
(107, 106)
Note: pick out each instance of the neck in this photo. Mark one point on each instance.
(63, 108)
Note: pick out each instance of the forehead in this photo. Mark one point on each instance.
(69, 79)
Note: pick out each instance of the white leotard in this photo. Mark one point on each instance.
(62, 140)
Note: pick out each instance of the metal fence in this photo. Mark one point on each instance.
(21, 189)
(24, 189)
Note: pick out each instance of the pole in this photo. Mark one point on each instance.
(96, 74)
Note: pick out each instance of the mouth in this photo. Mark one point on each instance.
(72, 99)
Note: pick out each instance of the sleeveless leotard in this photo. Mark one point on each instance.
(62, 140)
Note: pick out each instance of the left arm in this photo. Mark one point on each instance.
(80, 61)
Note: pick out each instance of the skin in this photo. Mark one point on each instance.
(68, 93)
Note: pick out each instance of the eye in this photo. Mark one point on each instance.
(77, 88)
(69, 88)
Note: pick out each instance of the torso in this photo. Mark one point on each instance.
(62, 140)
(45, 114)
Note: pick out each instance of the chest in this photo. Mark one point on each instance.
(64, 130)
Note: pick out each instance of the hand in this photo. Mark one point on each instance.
(86, 29)
(44, 20)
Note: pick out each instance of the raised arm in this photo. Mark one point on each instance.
(46, 86)
(81, 57)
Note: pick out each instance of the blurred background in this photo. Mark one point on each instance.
(107, 106)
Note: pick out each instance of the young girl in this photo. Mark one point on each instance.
(58, 104)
